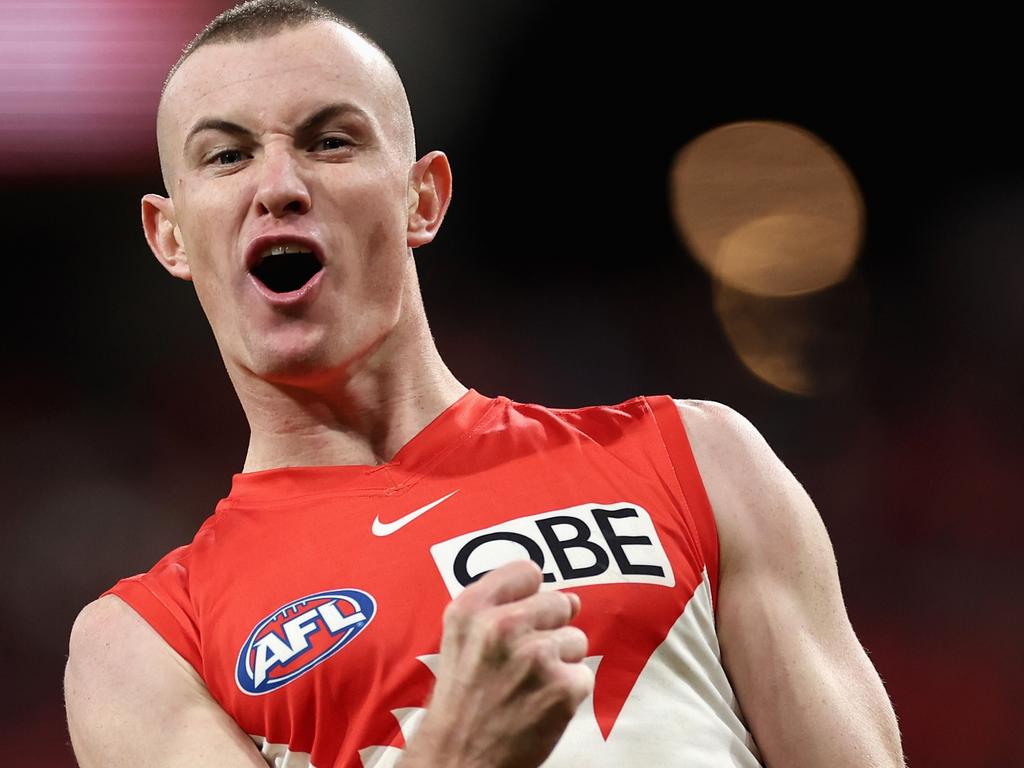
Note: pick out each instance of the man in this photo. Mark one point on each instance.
(407, 572)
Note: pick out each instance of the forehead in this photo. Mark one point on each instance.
(275, 80)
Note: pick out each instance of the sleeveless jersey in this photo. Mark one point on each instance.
(311, 601)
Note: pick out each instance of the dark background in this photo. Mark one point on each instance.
(558, 278)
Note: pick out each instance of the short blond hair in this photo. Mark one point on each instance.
(256, 19)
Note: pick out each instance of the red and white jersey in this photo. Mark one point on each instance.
(311, 601)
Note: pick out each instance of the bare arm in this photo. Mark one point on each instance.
(131, 700)
(805, 684)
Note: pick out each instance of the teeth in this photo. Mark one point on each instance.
(279, 250)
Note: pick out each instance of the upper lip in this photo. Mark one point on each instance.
(259, 244)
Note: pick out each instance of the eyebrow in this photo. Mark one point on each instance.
(311, 123)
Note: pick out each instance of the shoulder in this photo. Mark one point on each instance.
(728, 449)
(109, 640)
(130, 697)
(715, 428)
(116, 658)
(120, 682)
(760, 509)
(108, 619)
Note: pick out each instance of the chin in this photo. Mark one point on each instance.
(297, 364)
(313, 356)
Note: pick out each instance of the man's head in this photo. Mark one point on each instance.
(282, 125)
(260, 19)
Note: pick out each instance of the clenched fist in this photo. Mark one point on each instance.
(511, 675)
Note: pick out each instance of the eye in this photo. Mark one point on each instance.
(331, 142)
(228, 157)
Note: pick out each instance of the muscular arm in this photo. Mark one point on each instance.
(132, 701)
(805, 684)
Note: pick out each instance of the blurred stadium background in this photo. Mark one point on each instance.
(573, 268)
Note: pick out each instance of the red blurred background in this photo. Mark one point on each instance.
(559, 277)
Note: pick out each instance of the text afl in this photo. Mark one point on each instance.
(299, 636)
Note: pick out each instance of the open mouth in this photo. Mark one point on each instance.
(286, 268)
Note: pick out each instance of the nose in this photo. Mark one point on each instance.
(281, 188)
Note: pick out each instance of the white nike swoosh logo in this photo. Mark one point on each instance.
(386, 529)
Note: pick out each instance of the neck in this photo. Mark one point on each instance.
(362, 415)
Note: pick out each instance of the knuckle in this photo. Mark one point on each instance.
(579, 636)
(458, 617)
(499, 627)
(582, 682)
(574, 641)
(509, 621)
(545, 650)
(454, 614)
(567, 689)
(540, 654)
(574, 686)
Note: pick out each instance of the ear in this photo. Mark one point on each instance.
(163, 235)
(430, 191)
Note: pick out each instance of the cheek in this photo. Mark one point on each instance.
(385, 255)
(374, 223)
(378, 196)
(210, 261)
(208, 233)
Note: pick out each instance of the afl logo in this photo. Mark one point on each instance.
(299, 636)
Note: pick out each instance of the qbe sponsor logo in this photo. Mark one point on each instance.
(576, 546)
(299, 636)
